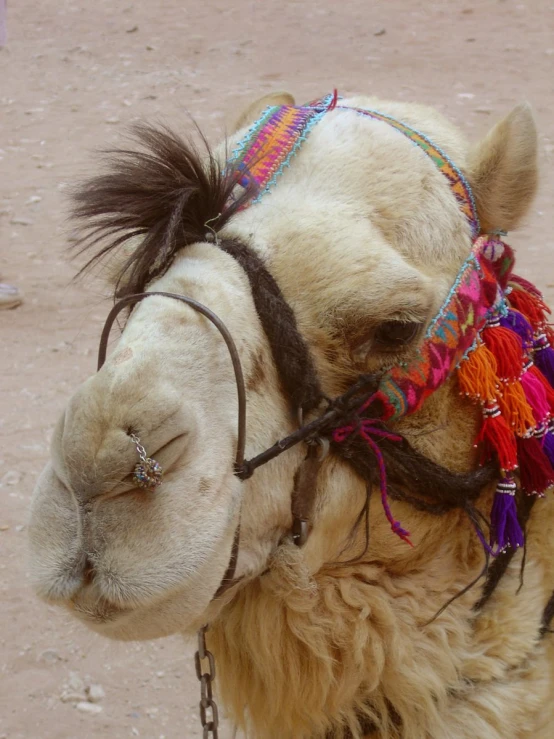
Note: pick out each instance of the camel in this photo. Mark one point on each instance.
(357, 632)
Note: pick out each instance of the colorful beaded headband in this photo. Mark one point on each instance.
(491, 332)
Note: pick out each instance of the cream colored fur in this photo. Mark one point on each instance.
(362, 228)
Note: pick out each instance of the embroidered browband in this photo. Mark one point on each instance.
(491, 331)
(269, 145)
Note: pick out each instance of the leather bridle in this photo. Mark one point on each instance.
(315, 434)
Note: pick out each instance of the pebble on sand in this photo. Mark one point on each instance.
(75, 683)
(95, 693)
(70, 697)
(12, 477)
(87, 707)
(49, 656)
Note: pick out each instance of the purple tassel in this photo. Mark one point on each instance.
(548, 445)
(516, 322)
(544, 357)
(505, 528)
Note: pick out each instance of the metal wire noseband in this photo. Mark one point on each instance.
(225, 334)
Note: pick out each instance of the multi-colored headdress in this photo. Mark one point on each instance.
(491, 332)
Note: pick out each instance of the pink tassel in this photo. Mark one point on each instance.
(535, 394)
(548, 389)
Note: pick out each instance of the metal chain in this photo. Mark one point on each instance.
(208, 708)
(140, 449)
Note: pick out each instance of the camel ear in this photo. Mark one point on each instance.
(503, 171)
(254, 110)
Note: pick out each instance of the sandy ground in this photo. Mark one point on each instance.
(73, 74)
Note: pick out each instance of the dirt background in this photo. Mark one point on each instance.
(73, 74)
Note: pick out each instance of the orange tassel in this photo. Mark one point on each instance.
(496, 439)
(515, 408)
(477, 375)
(507, 349)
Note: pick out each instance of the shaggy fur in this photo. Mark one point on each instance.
(335, 650)
(314, 642)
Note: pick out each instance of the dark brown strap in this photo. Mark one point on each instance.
(305, 490)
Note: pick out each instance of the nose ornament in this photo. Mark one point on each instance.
(147, 473)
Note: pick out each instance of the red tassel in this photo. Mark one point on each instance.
(532, 306)
(526, 285)
(496, 439)
(535, 471)
(507, 349)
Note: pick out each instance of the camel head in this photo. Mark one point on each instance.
(363, 238)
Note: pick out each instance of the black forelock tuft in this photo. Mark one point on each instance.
(165, 190)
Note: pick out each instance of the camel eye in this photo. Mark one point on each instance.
(393, 336)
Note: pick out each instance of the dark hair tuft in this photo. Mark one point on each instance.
(164, 190)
